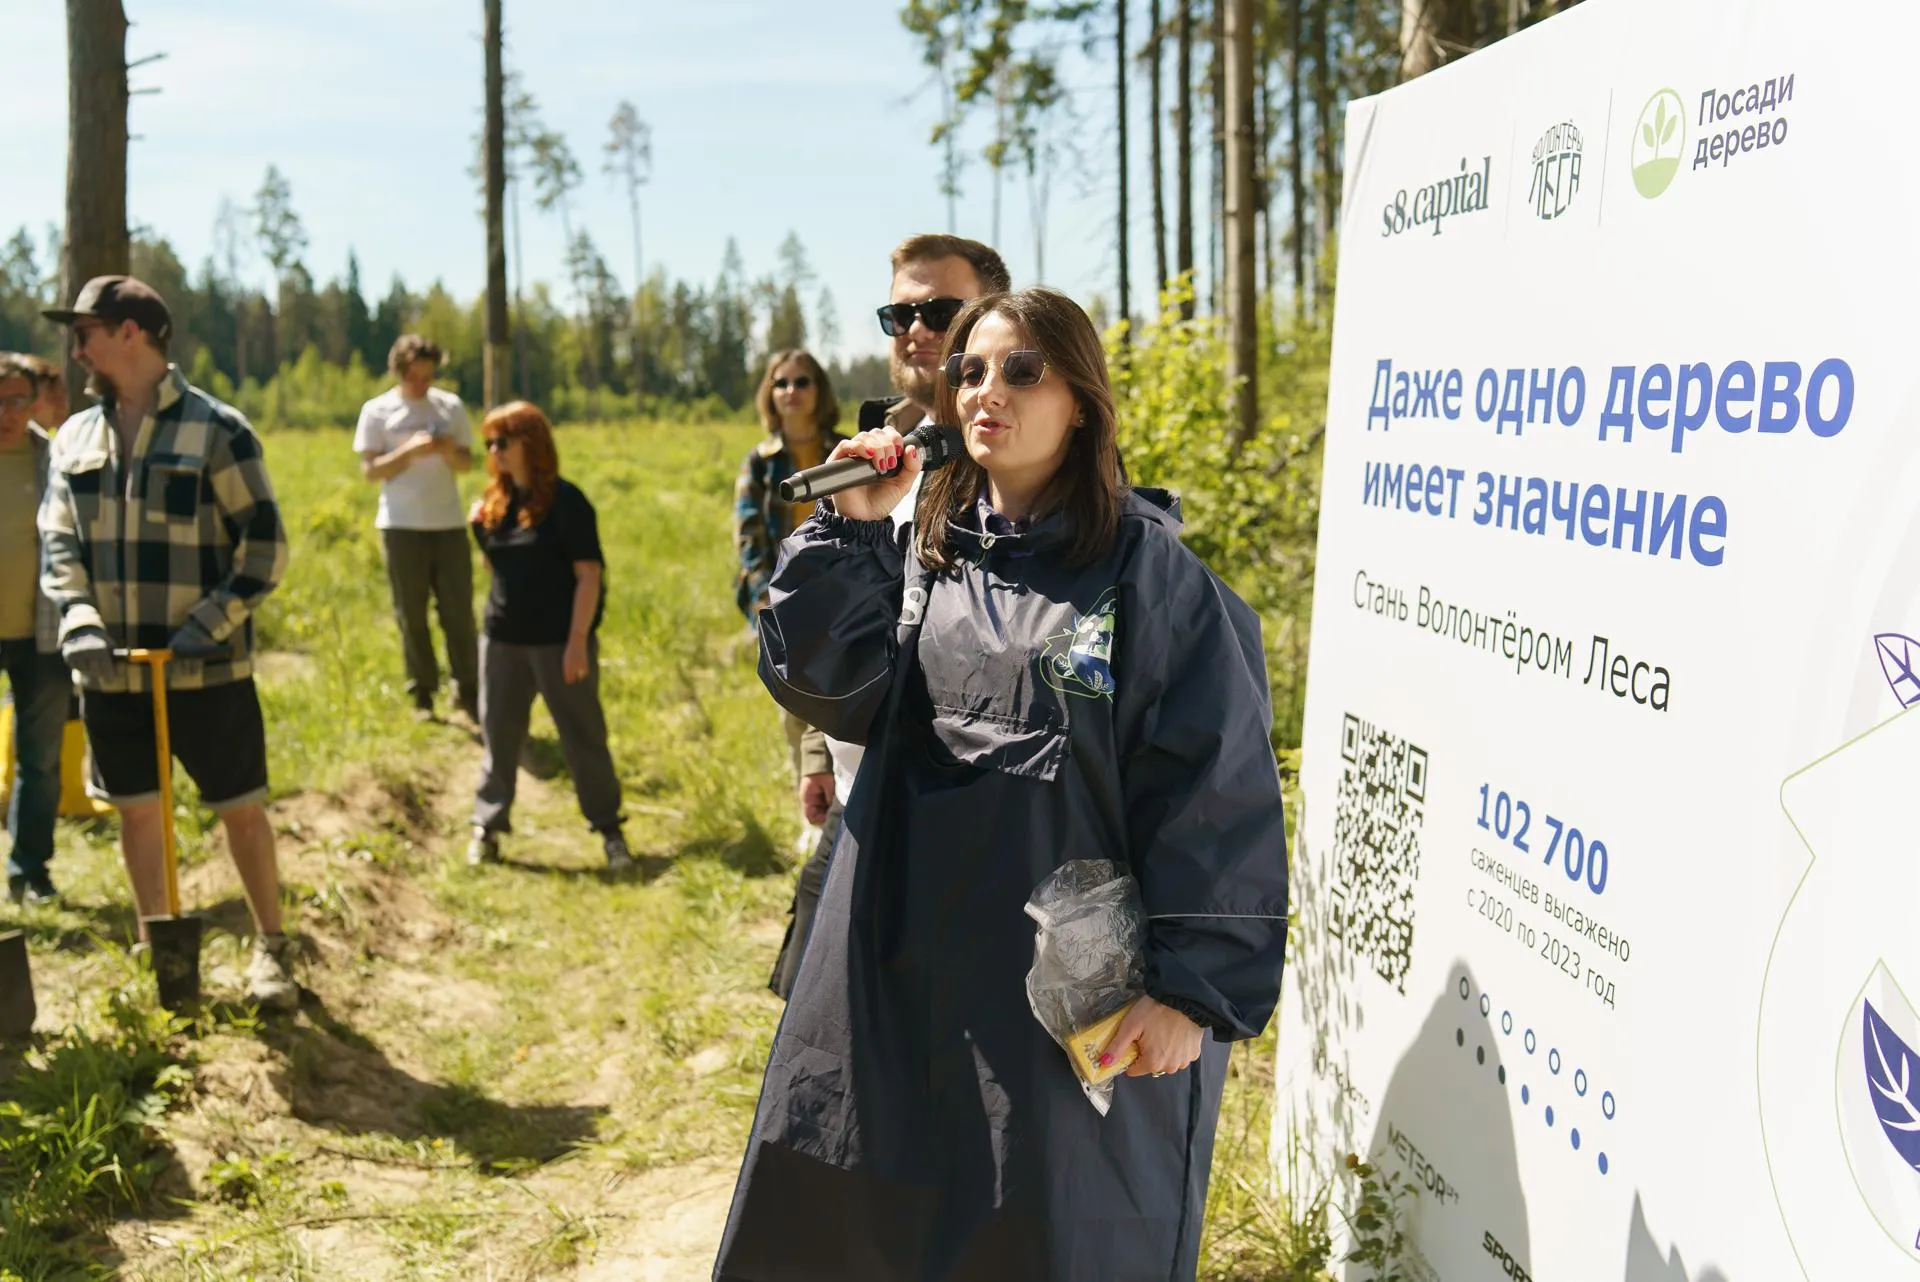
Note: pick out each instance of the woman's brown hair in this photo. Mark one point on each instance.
(1088, 487)
(523, 422)
(826, 409)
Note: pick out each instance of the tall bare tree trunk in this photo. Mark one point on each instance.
(519, 302)
(1263, 155)
(1120, 62)
(95, 242)
(1298, 164)
(1217, 83)
(499, 351)
(1433, 32)
(1183, 151)
(1157, 159)
(1327, 183)
(1242, 319)
(638, 353)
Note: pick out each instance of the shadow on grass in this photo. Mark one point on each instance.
(751, 852)
(54, 928)
(646, 868)
(66, 1179)
(337, 1078)
(541, 757)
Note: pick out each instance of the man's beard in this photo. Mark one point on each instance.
(100, 387)
(915, 382)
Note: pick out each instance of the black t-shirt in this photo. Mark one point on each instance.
(531, 602)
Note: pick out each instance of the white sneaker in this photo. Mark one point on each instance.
(270, 973)
(483, 849)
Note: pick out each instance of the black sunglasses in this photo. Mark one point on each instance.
(799, 384)
(1023, 368)
(499, 442)
(936, 314)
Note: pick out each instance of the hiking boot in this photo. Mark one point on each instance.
(483, 849)
(33, 892)
(619, 858)
(270, 973)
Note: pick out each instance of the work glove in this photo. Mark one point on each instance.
(192, 641)
(89, 651)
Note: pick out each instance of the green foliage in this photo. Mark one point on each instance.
(78, 1134)
(305, 355)
(1257, 1231)
(245, 1179)
(1379, 1236)
(1252, 513)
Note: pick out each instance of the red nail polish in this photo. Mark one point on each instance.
(1106, 1061)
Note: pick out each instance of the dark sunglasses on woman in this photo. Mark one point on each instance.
(800, 384)
(936, 314)
(498, 442)
(1023, 368)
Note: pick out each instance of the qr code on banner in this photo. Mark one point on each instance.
(1376, 846)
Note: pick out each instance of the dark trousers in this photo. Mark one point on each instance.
(510, 676)
(806, 898)
(42, 691)
(436, 563)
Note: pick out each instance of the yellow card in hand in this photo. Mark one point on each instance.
(1090, 1041)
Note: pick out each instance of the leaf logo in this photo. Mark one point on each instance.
(1079, 660)
(1900, 664)
(1893, 1081)
(1659, 140)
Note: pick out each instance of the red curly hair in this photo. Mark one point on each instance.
(521, 421)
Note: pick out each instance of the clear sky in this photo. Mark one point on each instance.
(767, 116)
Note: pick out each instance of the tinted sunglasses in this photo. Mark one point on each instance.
(800, 384)
(936, 314)
(500, 442)
(1023, 368)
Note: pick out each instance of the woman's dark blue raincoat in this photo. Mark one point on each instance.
(916, 1123)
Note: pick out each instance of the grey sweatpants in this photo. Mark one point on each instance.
(510, 675)
(436, 563)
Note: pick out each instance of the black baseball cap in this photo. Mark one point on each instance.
(115, 299)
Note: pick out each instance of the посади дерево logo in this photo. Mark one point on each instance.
(1659, 141)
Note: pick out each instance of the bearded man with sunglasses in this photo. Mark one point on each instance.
(934, 276)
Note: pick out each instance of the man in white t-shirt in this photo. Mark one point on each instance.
(412, 440)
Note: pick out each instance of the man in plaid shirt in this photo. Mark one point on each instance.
(159, 530)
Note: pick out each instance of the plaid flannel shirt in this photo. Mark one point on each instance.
(187, 528)
(760, 519)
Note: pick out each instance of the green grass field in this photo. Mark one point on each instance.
(526, 1071)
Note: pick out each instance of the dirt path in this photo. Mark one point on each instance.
(524, 1071)
(677, 1216)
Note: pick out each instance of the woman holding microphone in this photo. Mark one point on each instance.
(1042, 673)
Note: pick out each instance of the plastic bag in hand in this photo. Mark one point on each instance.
(1087, 965)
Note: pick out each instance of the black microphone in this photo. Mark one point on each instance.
(938, 443)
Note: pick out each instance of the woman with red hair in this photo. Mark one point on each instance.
(541, 540)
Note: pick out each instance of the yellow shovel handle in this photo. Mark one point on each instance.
(156, 661)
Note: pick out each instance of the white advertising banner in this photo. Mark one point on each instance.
(1608, 867)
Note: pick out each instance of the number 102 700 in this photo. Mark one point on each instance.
(1584, 859)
